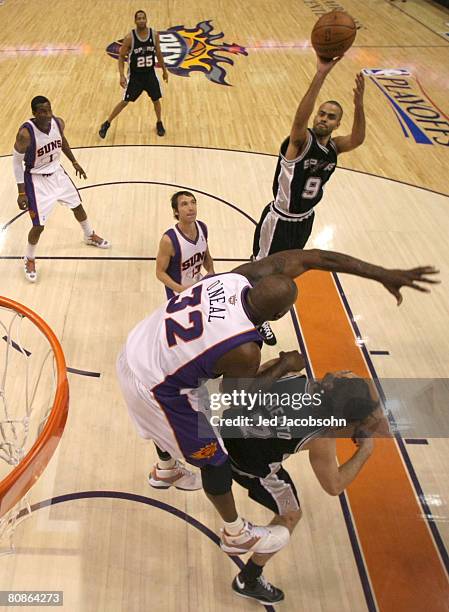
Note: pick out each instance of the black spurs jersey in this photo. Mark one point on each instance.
(257, 449)
(298, 183)
(142, 53)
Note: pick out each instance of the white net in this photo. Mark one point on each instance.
(28, 382)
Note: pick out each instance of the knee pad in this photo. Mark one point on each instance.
(217, 479)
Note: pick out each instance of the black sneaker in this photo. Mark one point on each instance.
(262, 591)
(160, 128)
(267, 334)
(103, 129)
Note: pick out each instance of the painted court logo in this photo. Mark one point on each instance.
(188, 50)
(417, 114)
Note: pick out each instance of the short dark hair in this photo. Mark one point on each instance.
(38, 100)
(335, 103)
(137, 12)
(174, 200)
(350, 399)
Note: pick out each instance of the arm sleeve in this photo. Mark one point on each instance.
(17, 162)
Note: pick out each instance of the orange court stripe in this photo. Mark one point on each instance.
(402, 561)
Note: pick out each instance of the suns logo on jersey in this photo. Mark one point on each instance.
(188, 50)
(233, 300)
(205, 452)
(417, 114)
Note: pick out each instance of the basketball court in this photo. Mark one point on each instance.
(98, 532)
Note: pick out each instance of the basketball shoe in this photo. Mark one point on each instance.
(103, 129)
(267, 334)
(179, 477)
(253, 538)
(160, 128)
(260, 590)
(29, 269)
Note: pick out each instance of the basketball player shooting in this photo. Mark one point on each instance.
(44, 181)
(307, 160)
(208, 331)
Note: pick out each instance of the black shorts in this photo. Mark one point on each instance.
(276, 491)
(274, 234)
(137, 84)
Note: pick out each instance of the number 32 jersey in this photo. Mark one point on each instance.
(298, 183)
(178, 345)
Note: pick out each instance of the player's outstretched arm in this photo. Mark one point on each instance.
(298, 133)
(68, 151)
(23, 141)
(295, 262)
(357, 136)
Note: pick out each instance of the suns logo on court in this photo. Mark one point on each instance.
(188, 50)
(417, 114)
(206, 452)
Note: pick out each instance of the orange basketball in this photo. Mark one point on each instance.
(333, 34)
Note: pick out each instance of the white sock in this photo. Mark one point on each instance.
(88, 231)
(166, 465)
(235, 527)
(31, 251)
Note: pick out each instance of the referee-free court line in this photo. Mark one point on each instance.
(403, 564)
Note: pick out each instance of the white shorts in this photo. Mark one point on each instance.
(44, 190)
(175, 424)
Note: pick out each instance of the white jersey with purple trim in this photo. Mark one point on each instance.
(43, 156)
(179, 344)
(185, 266)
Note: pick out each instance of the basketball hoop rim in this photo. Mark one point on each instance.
(17, 483)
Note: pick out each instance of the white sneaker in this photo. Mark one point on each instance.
(98, 242)
(255, 539)
(30, 275)
(179, 477)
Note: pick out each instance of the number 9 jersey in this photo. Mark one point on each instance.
(298, 183)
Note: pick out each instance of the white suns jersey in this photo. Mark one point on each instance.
(43, 156)
(177, 346)
(185, 266)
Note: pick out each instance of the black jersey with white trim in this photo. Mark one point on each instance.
(141, 57)
(298, 183)
(255, 449)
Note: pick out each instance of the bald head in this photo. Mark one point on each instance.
(272, 297)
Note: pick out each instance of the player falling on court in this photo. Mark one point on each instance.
(183, 249)
(207, 331)
(257, 453)
(307, 160)
(139, 48)
(44, 181)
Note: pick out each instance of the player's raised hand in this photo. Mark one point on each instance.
(324, 66)
(359, 89)
(22, 201)
(396, 279)
(79, 171)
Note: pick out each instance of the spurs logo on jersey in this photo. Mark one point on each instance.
(298, 183)
(44, 153)
(185, 266)
(142, 53)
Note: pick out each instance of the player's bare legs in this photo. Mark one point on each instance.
(159, 125)
(90, 237)
(116, 111)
